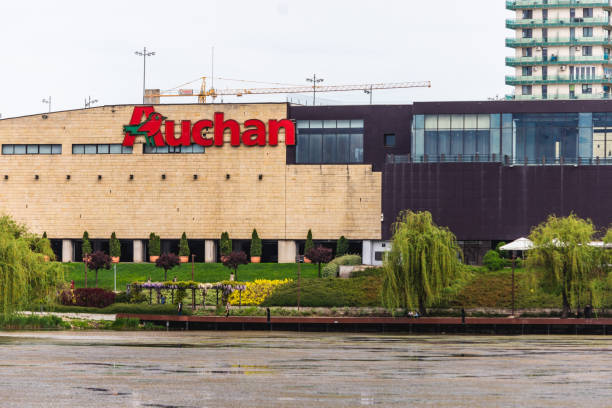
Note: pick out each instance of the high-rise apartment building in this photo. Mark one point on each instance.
(562, 49)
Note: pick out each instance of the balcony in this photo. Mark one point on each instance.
(555, 79)
(567, 22)
(535, 4)
(556, 41)
(558, 97)
(521, 61)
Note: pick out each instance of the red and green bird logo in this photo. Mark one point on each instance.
(149, 128)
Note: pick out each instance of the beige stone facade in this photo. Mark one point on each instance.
(332, 200)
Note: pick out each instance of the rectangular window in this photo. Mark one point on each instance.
(527, 14)
(587, 13)
(378, 256)
(526, 89)
(315, 151)
(527, 71)
(343, 148)
(527, 52)
(356, 153)
(587, 32)
(169, 149)
(91, 149)
(114, 148)
(329, 148)
(343, 124)
(527, 33)
(390, 140)
(587, 51)
(302, 148)
(31, 149)
(587, 88)
(303, 124)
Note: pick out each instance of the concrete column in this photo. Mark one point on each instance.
(67, 250)
(210, 251)
(138, 250)
(366, 252)
(287, 250)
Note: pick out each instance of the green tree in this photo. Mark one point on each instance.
(98, 260)
(154, 244)
(561, 252)
(114, 246)
(423, 261)
(44, 234)
(25, 277)
(255, 244)
(309, 243)
(184, 246)
(86, 247)
(342, 246)
(226, 244)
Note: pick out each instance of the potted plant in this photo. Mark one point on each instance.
(225, 245)
(115, 248)
(308, 246)
(154, 247)
(184, 249)
(167, 261)
(86, 249)
(233, 260)
(255, 247)
(342, 246)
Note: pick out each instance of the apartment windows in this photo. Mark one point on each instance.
(31, 149)
(545, 34)
(527, 89)
(329, 141)
(544, 91)
(527, 14)
(527, 33)
(587, 13)
(527, 52)
(587, 88)
(587, 32)
(527, 71)
(587, 51)
(544, 14)
(195, 148)
(101, 149)
(390, 140)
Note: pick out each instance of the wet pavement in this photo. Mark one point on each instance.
(259, 369)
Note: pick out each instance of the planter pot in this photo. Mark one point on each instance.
(232, 277)
(306, 260)
(46, 258)
(85, 259)
(114, 259)
(184, 259)
(255, 259)
(153, 258)
(223, 258)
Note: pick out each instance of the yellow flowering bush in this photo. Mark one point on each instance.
(256, 292)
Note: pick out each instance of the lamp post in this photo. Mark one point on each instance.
(513, 265)
(314, 81)
(48, 102)
(369, 92)
(192, 265)
(144, 54)
(299, 260)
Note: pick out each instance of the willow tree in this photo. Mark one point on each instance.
(25, 277)
(563, 255)
(423, 261)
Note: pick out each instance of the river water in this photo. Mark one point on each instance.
(261, 369)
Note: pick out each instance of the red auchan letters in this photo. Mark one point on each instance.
(146, 122)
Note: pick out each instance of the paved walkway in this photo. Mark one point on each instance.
(82, 316)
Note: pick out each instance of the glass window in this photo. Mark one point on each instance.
(316, 124)
(527, 14)
(78, 149)
(7, 149)
(469, 142)
(343, 148)
(329, 124)
(484, 122)
(329, 148)
(444, 121)
(32, 149)
(528, 52)
(356, 148)
(495, 121)
(390, 140)
(115, 149)
(56, 149)
(471, 122)
(495, 145)
(186, 149)
(587, 50)
(456, 142)
(197, 148)
(457, 122)
(587, 88)
(587, 12)
(344, 124)
(431, 143)
(527, 71)
(587, 31)
(302, 148)
(103, 149)
(419, 121)
(357, 124)
(527, 33)
(444, 140)
(303, 124)
(91, 149)
(526, 89)
(315, 149)
(44, 149)
(20, 149)
(431, 122)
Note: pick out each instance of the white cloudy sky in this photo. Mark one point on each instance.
(72, 49)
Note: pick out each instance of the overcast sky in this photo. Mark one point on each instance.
(73, 49)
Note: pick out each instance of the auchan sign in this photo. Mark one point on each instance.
(148, 123)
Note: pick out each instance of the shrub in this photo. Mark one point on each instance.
(309, 243)
(319, 255)
(225, 245)
(86, 247)
(331, 269)
(255, 244)
(122, 323)
(342, 246)
(167, 309)
(256, 292)
(167, 261)
(154, 244)
(376, 272)
(184, 246)
(235, 259)
(19, 321)
(88, 297)
(114, 246)
(98, 260)
(493, 261)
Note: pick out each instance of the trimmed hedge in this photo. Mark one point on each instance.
(331, 269)
(88, 297)
(133, 308)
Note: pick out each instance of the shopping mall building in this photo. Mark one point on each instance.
(487, 170)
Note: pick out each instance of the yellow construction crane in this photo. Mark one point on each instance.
(203, 93)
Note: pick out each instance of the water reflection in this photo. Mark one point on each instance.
(255, 369)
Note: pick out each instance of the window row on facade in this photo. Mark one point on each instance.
(31, 149)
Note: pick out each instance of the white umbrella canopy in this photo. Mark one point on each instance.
(521, 244)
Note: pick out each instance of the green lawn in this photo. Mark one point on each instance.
(203, 272)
